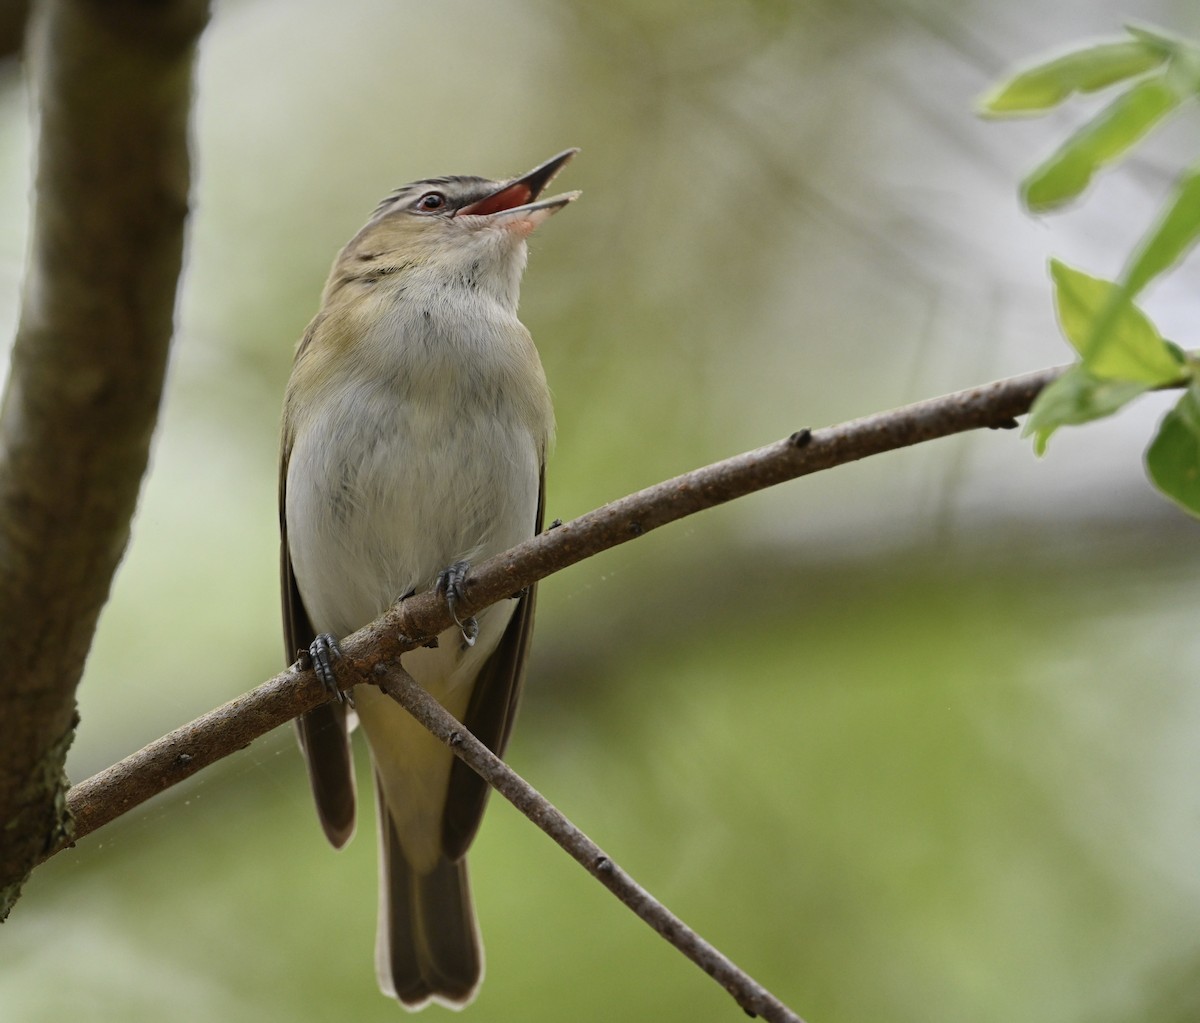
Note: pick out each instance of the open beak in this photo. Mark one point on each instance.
(518, 198)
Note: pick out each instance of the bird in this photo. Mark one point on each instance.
(415, 430)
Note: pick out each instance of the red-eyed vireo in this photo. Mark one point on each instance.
(415, 431)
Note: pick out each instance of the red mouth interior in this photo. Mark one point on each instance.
(506, 199)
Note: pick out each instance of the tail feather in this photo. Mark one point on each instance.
(427, 945)
(325, 740)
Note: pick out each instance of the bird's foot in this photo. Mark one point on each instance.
(451, 584)
(323, 651)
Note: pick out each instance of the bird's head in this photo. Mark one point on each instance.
(452, 231)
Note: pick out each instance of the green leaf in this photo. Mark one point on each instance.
(1172, 238)
(1045, 85)
(1173, 458)
(1099, 142)
(1152, 35)
(1130, 348)
(1076, 397)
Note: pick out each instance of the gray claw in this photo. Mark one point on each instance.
(323, 651)
(451, 584)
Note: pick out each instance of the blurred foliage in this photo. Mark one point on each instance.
(896, 788)
(910, 740)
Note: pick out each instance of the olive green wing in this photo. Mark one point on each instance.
(323, 733)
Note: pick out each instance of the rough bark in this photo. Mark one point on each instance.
(13, 16)
(113, 85)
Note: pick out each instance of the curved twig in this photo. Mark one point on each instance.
(414, 621)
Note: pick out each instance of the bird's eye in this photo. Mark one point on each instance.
(431, 201)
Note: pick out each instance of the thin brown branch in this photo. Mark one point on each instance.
(113, 84)
(414, 621)
(995, 405)
(178, 755)
(372, 654)
(745, 990)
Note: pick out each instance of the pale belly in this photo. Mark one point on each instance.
(384, 494)
(381, 496)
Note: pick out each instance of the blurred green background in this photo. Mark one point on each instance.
(914, 740)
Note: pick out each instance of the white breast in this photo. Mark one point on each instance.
(400, 473)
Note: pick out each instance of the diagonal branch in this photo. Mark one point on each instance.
(747, 992)
(415, 621)
(372, 654)
(113, 83)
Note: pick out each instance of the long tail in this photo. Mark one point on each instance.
(427, 946)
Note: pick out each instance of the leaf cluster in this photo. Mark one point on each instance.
(1121, 352)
